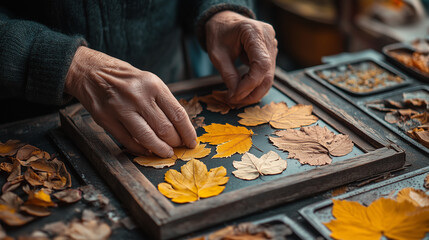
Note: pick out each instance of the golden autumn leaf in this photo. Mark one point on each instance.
(250, 167)
(278, 115)
(40, 198)
(394, 220)
(192, 107)
(230, 139)
(415, 196)
(194, 182)
(312, 145)
(217, 102)
(182, 153)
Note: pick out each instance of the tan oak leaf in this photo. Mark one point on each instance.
(278, 115)
(192, 107)
(312, 145)
(250, 166)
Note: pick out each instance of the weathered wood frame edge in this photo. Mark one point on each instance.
(159, 218)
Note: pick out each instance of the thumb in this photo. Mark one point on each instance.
(224, 63)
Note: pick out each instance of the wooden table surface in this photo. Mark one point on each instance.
(44, 133)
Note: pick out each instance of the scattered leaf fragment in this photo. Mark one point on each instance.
(250, 167)
(230, 139)
(192, 107)
(415, 196)
(40, 198)
(339, 190)
(37, 211)
(278, 115)
(194, 182)
(69, 195)
(11, 217)
(198, 122)
(93, 229)
(6, 166)
(9, 148)
(182, 153)
(394, 220)
(217, 101)
(312, 145)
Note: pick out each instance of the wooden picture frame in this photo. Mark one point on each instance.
(161, 219)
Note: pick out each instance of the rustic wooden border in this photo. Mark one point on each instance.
(160, 219)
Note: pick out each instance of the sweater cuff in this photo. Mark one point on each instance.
(209, 8)
(50, 59)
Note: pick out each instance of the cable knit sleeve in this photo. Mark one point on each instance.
(205, 9)
(34, 60)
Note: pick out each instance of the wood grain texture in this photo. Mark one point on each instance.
(160, 219)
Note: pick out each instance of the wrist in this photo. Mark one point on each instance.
(75, 68)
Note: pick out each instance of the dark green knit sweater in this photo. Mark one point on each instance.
(38, 39)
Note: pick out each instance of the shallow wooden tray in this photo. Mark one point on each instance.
(136, 187)
(318, 213)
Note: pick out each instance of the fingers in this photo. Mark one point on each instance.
(143, 133)
(224, 63)
(258, 93)
(178, 117)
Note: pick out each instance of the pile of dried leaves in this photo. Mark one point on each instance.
(250, 231)
(418, 59)
(360, 78)
(41, 177)
(405, 217)
(410, 115)
(311, 145)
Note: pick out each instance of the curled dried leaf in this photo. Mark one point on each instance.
(7, 167)
(11, 217)
(40, 198)
(16, 171)
(37, 211)
(69, 195)
(33, 178)
(9, 148)
(27, 151)
(217, 101)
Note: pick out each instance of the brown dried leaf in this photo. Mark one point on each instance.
(7, 167)
(217, 101)
(44, 165)
(11, 199)
(16, 171)
(69, 195)
(423, 118)
(198, 122)
(33, 178)
(192, 108)
(37, 211)
(55, 228)
(9, 216)
(9, 186)
(243, 231)
(421, 134)
(339, 190)
(9, 148)
(27, 151)
(415, 196)
(312, 145)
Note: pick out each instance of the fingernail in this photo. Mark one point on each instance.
(170, 153)
(193, 144)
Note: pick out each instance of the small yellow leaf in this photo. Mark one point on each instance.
(40, 198)
(230, 139)
(182, 153)
(194, 182)
(278, 115)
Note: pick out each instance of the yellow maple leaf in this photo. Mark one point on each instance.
(182, 153)
(194, 182)
(395, 220)
(278, 115)
(230, 139)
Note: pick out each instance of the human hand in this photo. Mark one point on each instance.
(230, 35)
(135, 106)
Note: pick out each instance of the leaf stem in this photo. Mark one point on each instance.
(257, 148)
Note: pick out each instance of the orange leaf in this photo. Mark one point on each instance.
(9, 148)
(415, 196)
(230, 139)
(278, 115)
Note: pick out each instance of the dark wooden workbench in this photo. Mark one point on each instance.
(44, 133)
